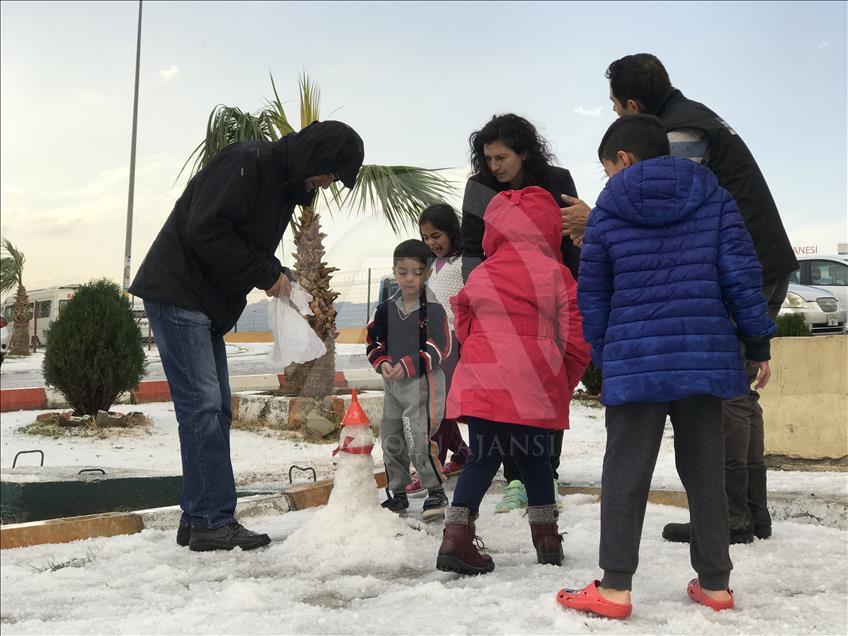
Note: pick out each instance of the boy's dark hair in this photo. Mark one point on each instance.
(415, 249)
(640, 77)
(517, 134)
(643, 136)
(443, 217)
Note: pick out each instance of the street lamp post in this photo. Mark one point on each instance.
(128, 245)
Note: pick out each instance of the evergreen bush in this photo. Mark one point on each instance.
(94, 352)
(791, 325)
(592, 380)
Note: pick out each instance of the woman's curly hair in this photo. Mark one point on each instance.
(520, 136)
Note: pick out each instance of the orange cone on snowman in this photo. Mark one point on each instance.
(356, 437)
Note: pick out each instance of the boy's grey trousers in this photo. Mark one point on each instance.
(412, 411)
(634, 433)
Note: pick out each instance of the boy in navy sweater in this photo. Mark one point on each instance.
(407, 341)
(669, 285)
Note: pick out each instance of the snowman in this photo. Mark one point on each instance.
(354, 487)
(353, 533)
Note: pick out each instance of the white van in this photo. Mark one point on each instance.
(45, 305)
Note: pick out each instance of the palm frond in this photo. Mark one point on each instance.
(310, 100)
(399, 193)
(11, 267)
(227, 125)
(7, 274)
(277, 113)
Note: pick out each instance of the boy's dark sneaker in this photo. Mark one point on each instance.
(183, 534)
(741, 535)
(762, 532)
(232, 535)
(398, 502)
(679, 532)
(435, 505)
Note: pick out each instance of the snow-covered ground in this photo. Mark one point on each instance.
(330, 582)
(794, 583)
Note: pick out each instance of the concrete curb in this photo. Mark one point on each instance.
(827, 511)
(168, 518)
(151, 391)
(67, 529)
(23, 399)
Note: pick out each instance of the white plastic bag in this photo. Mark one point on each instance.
(294, 340)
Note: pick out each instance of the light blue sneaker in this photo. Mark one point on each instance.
(514, 498)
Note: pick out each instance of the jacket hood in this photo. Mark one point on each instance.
(320, 148)
(658, 192)
(528, 217)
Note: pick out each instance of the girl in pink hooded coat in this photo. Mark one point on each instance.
(522, 355)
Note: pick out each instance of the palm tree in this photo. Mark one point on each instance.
(11, 274)
(398, 192)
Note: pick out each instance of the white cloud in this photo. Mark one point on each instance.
(166, 75)
(824, 44)
(594, 112)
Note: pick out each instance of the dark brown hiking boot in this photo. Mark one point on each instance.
(459, 550)
(546, 537)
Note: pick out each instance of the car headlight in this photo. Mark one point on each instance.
(795, 301)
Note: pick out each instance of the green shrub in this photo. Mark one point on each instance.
(592, 380)
(95, 351)
(791, 325)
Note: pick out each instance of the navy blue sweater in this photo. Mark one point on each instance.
(419, 341)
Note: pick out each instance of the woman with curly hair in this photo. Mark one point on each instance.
(508, 153)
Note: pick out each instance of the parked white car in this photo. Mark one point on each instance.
(824, 271)
(5, 337)
(821, 310)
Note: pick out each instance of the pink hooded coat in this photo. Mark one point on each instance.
(517, 319)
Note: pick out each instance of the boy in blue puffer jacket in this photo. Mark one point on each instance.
(669, 284)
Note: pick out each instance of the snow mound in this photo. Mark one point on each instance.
(352, 533)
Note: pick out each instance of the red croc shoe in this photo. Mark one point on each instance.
(697, 594)
(590, 600)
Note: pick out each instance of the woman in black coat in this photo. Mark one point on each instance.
(509, 154)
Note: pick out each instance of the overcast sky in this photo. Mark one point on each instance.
(414, 79)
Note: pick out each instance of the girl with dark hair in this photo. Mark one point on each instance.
(508, 153)
(439, 227)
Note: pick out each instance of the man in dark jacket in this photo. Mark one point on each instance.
(640, 84)
(217, 245)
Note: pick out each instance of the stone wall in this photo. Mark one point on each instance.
(806, 402)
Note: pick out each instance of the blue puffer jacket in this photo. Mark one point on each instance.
(666, 263)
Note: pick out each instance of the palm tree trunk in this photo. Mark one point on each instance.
(21, 315)
(314, 379)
